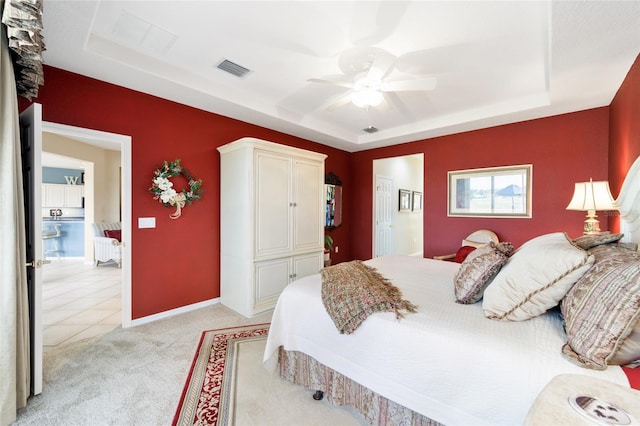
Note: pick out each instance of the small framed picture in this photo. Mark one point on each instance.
(405, 200)
(416, 201)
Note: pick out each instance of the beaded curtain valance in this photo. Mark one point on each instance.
(23, 19)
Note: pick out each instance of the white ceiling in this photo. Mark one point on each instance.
(54, 160)
(495, 62)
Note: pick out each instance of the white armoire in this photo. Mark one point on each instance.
(271, 221)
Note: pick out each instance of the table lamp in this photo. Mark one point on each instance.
(590, 197)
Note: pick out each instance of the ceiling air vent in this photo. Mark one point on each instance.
(370, 129)
(233, 68)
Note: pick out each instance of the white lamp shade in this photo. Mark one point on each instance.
(591, 196)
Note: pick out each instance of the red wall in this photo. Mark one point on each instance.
(563, 149)
(177, 263)
(624, 132)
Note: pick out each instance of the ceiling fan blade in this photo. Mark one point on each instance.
(441, 59)
(373, 22)
(381, 66)
(334, 103)
(409, 85)
(331, 82)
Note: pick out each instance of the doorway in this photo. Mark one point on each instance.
(85, 144)
(398, 229)
(32, 129)
(79, 300)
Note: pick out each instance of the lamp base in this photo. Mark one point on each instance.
(591, 224)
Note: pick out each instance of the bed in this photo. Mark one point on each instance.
(448, 362)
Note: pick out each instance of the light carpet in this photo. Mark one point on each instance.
(130, 376)
(228, 385)
(135, 376)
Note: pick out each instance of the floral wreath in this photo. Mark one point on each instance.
(164, 192)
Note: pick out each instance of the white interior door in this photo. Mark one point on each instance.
(383, 225)
(31, 142)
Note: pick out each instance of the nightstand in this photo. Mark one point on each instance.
(559, 402)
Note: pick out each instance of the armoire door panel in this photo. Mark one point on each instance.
(308, 214)
(306, 265)
(272, 276)
(273, 210)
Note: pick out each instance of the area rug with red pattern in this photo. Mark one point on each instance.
(209, 385)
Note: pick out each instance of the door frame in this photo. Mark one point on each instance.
(100, 138)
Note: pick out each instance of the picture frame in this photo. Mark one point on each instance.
(404, 200)
(416, 201)
(490, 192)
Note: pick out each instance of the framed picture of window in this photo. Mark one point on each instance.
(404, 200)
(416, 201)
(490, 192)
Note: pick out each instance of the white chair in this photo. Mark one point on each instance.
(475, 239)
(105, 248)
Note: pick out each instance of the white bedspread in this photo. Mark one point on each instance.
(447, 362)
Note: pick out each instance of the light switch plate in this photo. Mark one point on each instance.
(146, 222)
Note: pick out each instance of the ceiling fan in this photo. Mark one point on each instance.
(368, 78)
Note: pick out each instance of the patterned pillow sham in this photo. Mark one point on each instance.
(589, 241)
(478, 269)
(536, 278)
(602, 311)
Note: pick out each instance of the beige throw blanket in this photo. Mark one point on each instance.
(352, 291)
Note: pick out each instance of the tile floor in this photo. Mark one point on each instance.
(79, 300)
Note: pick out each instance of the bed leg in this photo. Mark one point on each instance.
(318, 395)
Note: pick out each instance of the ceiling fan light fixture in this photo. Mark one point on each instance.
(366, 98)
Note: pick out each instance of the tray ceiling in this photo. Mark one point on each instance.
(493, 62)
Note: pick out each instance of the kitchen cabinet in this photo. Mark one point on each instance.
(60, 195)
(272, 221)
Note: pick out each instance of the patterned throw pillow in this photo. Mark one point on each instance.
(589, 241)
(602, 311)
(536, 278)
(478, 269)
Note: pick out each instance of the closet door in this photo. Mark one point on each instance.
(308, 213)
(272, 199)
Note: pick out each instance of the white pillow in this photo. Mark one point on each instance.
(536, 278)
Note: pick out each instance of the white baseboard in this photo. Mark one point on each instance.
(417, 254)
(173, 312)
